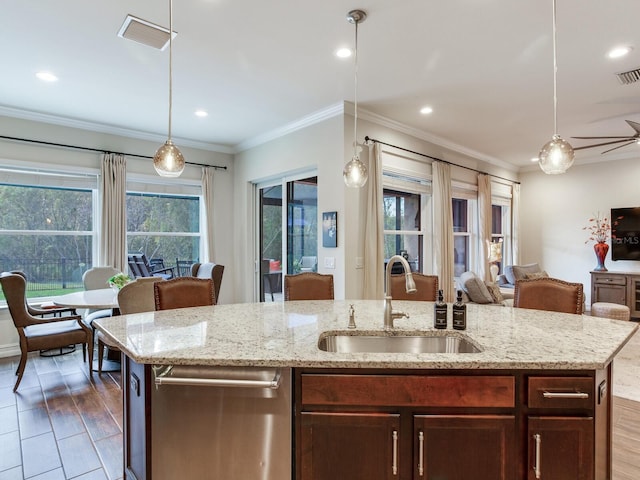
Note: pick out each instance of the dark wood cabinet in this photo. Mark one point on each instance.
(481, 447)
(560, 447)
(137, 414)
(490, 425)
(349, 445)
(617, 287)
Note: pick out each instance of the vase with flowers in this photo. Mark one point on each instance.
(599, 229)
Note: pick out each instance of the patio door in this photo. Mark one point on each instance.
(287, 232)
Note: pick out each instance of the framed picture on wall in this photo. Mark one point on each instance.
(330, 229)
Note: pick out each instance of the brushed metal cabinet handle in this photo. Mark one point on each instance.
(565, 395)
(421, 453)
(394, 461)
(537, 460)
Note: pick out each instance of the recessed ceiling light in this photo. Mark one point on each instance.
(46, 76)
(618, 52)
(200, 113)
(426, 110)
(343, 52)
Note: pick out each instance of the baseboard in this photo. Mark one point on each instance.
(9, 350)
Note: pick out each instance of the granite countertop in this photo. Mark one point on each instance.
(287, 333)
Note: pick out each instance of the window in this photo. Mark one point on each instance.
(403, 227)
(461, 236)
(47, 228)
(166, 228)
(406, 216)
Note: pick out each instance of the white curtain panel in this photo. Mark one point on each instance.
(515, 225)
(113, 234)
(207, 193)
(443, 251)
(484, 224)
(373, 285)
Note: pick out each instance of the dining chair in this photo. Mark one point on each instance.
(93, 279)
(182, 292)
(134, 297)
(210, 270)
(308, 286)
(41, 333)
(426, 287)
(550, 294)
(45, 308)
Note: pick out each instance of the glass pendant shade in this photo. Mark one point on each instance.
(355, 173)
(556, 156)
(168, 160)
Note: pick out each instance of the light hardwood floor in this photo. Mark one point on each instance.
(60, 425)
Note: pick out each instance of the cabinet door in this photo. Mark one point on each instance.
(349, 446)
(560, 447)
(463, 447)
(634, 296)
(608, 288)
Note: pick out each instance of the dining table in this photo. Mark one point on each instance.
(98, 299)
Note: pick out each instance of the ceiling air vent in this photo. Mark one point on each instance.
(145, 32)
(631, 76)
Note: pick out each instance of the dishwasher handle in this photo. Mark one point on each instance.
(164, 379)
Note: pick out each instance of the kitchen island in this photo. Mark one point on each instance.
(532, 402)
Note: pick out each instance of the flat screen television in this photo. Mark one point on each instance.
(625, 233)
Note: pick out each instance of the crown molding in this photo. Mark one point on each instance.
(306, 121)
(108, 129)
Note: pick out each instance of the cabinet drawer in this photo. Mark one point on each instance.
(611, 279)
(408, 390)
(560, 392)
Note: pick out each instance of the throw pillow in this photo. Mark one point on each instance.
(518, 272)
(541, 274)
(475, 288)
(494, 291)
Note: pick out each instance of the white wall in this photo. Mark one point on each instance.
(555, 208)
(317, 147)
(12, 151)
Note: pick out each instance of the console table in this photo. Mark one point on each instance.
(617, 287)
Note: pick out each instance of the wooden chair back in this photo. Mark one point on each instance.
(550, 294)
(426, 287)
(184, 292)
(308, 286)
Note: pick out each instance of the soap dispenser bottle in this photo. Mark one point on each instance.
(440, 312)
(459, 313)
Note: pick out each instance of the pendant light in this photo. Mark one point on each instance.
(355, 172)
(556, 155)
(168, 160)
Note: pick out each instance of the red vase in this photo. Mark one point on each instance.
(601, 249)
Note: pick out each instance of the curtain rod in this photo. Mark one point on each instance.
(369, 139)
(89, 149)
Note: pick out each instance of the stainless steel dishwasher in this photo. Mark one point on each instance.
(231, 423)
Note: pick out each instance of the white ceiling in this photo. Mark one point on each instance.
(485, 66)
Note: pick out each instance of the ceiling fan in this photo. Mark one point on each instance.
(624, 140)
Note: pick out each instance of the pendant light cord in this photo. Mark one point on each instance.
(555, 75)
(355, 95)
(170, 64)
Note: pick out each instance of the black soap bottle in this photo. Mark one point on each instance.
(459, 313)
(440, 312)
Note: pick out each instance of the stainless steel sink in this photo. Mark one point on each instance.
(345, 343)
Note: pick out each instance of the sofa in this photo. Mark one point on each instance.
(475, 290)
(513, 273)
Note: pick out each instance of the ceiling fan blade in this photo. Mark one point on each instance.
(635, 126)
(619, 146)
(596, 138)
(628, 140)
